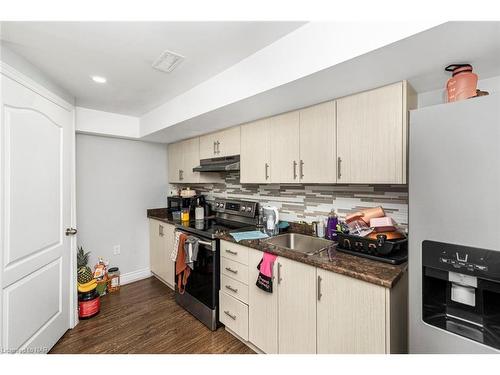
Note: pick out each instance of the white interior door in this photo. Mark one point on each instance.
(36, 151)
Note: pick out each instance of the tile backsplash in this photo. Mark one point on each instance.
(308, 202)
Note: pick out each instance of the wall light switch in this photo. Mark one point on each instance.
(116, 250)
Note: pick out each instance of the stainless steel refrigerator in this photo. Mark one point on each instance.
(454, 227)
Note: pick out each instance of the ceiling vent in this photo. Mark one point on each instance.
(167, 61)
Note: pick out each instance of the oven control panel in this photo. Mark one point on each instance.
(241, 208)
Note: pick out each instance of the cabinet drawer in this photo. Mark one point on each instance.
(234, 270)
(234, 288)
(234, 315)
(233, 251)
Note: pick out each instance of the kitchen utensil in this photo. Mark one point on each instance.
(383, 224)
(366, 215)
(462, 84)
(395, 235)
(389, 250)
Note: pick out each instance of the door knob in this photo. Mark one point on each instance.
(71, 231)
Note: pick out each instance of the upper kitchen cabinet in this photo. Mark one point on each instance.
(220, 144)
(372, 135)
(284, 148)
(174, 153)
(317, 144)
(255, 153)
(182, 158)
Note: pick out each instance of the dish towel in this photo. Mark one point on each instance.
(173, 254)
(182, 271)
(249, 235)
(265, 267)
(191, 250)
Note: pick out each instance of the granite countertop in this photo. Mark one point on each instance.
(383, 274)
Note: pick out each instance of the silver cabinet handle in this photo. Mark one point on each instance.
(319, 288)
(267, 171)
(231, 270)
(301, 169)
(181, 174)
(234, 290)
(339, 162)
(279, 273)
(231, 252)
(294, 170)
(218, 147)
(71, 231)
(215, 144)
(229, 314)
(160, 230)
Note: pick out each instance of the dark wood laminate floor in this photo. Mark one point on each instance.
(144, 318)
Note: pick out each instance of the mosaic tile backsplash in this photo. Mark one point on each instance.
(308, 202)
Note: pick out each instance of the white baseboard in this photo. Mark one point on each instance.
(130, 277)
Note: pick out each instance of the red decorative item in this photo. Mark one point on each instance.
(462, 84)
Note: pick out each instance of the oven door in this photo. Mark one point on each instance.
(203, 281)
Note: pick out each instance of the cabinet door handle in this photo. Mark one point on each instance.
(279, 273)
(215, 145)
(181, 173)
(301, 169)
(319, 288)
(267, 171)
(339, 163)
(218, 147)
(234, 290)
(231, 252)
(230, 315)
(231, 270)
(294, 170)
(160, 230)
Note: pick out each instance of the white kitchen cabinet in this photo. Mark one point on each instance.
(183, 156)
(317, 144)
(296, 307)
(372, 135)
(174, 153)
(255, 153)
(284, 148)
(219, 144)
(262, 309)
(351, 315)
(161, 243)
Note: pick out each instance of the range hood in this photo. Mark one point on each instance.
(225, 164)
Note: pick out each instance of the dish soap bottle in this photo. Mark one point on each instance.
(331, 225)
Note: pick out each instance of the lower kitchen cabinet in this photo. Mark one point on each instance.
(262, 309)
(312, 310)
(161, 243)
(296, 291)
(351, 315)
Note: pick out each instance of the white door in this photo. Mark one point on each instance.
(36, 151)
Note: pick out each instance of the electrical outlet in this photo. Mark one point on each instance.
(116, 250)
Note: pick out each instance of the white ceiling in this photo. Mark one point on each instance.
(70, 52)
(420, 59)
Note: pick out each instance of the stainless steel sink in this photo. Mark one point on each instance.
(301, 243)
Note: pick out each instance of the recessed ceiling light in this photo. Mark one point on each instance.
(99, 79)
(167, 61)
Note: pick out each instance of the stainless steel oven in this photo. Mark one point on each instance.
(201, 295)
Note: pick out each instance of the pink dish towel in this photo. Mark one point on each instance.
(265, 278)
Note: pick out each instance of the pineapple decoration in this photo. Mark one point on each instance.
(85, 276)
